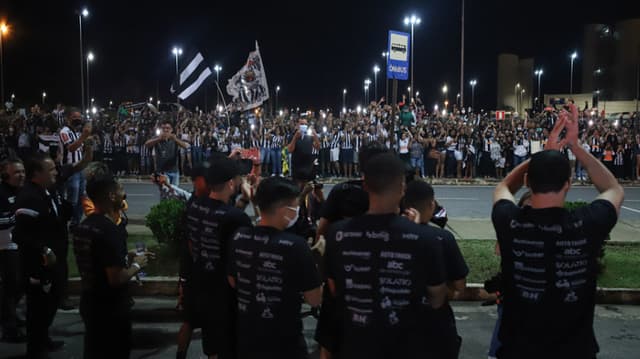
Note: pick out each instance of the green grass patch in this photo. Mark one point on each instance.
(621, 262)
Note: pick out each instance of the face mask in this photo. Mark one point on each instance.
(293, 220)
(303, 129)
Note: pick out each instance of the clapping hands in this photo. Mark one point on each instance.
(567, 122)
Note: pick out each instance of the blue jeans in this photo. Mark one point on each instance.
(495, 342)
(276, 160)
(518, 160)
(75, 188)
(418, 163)
(196, 155)
(174, 178)
(265, 155)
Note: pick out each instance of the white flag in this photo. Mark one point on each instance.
(248, 87)
(191, 78)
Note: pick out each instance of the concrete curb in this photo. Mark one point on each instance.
(436, 181)
(168, 286)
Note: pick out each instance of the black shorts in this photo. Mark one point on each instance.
(189, 314)
(346, 155)
(216, 315)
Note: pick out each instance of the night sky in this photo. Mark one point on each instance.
(312, 49)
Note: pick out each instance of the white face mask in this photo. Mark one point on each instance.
(293, 220)
(303, 129)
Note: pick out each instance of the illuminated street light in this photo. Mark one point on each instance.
(413, 20)
(573, 57)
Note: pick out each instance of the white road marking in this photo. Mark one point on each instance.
(631, 209)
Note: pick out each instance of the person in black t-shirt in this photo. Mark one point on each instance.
(386, 272)
(210, 223)
(105, 266)
(272, 271)
(420, 196)
(549, 254)
(346, 200)
(301, 149)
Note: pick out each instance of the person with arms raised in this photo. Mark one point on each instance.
(549, 254)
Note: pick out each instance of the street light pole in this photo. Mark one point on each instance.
(217, 69)
(376, 69)
(277, 91)
(515, 95)
(539, 74)
(44, 96)
(573, 57)
(413, 20)
(385, 54)
(462, 60)
(177, 52)
(89, 59)
(344, 98)
(473, 89)
(81, 14)
(3, 30)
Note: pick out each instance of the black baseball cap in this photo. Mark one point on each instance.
(221, 170)
(200, 170)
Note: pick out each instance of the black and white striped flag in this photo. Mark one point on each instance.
(191, 78)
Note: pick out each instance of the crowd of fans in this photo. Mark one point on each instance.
(437, 145)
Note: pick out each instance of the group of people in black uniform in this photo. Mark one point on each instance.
(382, 277)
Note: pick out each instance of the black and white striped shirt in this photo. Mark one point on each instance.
(67, 137)
(265, 140)
(335, 142)
(276, 141)
(346, 141)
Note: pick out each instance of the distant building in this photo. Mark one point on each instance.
(514, 76)
(611, 60)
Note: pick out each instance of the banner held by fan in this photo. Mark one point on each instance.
(248, 87)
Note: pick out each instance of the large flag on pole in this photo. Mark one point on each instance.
(248, 87)
(191, 78)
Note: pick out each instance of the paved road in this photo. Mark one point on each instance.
(460, 201)
(617, 330)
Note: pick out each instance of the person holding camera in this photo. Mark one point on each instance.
(105, 266)
(549, 254)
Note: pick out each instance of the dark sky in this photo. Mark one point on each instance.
(312, 49)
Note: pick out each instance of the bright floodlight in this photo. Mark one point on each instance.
(277, 88)
(435, 107)
(574, 55)
(473, 82)
(85, 12)
(90, 56)
(406, 21)
(4, 28)
(413, 20)
(445, 89)
(417, 93)
(44, 94)
(367, 82)
(177, 51)
(344, 91)
(150, 99)
(94, 110)
(217, 68)
(376, 69)
(281, 112)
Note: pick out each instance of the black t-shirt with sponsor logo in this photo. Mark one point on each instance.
(549, 265)
(272, 269)
(209, 226)
(382, 266)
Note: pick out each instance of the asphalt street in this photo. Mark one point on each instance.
(463, 201)
(617, 329)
